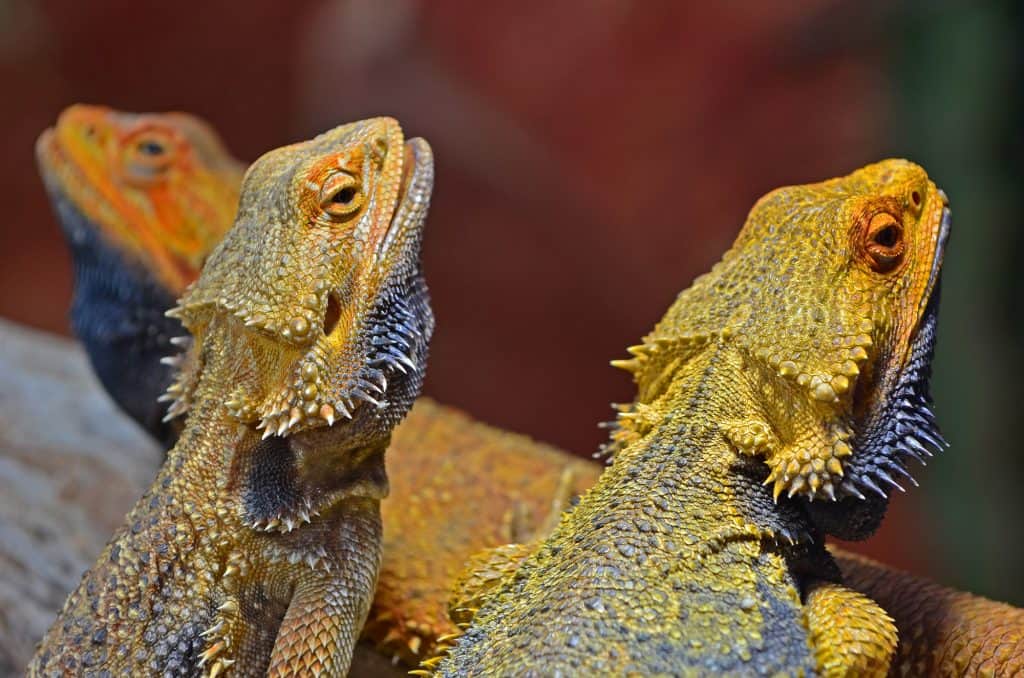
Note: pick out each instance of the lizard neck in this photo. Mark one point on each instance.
(682, 457)
(273, 484)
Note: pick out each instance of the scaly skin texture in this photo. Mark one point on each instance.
(776, 368)
(142, 200)
(256, 549)
(942, 632)
(511, 482)
(444, 462)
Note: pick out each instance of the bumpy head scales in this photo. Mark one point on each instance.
(830, 295)
(160, 187)
(320, 278)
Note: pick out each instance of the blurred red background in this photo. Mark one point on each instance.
(592, 157)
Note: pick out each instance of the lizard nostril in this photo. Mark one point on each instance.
(915, 199)
(332, 314)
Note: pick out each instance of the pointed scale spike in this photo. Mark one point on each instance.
(910, 454)
(897, 468)
(933, 438)
(914, 444)
(882, 475)
(867, 482)
(369, 386)
(852, 490)
(406, 360)
(629, 365)
(362, 395)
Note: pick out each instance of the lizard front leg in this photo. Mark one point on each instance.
(851, 634)
(327, 612)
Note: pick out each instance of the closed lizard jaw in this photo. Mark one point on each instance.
(413, 199)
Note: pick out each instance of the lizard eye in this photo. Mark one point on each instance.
(341, 197)
(149, 155)
(151, 148)
(884, 244)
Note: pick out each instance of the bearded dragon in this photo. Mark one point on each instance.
(512, 482)
(142, 199)
(774, 399)
(257, 547)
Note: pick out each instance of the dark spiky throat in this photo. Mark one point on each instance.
(398, 334)
(899, 429)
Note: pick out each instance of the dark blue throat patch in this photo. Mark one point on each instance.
(118, 314)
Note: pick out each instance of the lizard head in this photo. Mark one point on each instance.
(319, 284)
(160, 188)
(829, 295)
(142, 199)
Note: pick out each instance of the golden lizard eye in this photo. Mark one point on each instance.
(884, 244)
(341, 197)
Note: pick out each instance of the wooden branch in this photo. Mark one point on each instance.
(71, 466)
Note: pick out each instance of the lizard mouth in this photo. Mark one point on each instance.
(62, 171)
(59, 170)
(68, 184)
(413, 196)
(945, 224)
(47, 152)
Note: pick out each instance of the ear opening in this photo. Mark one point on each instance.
(332, 314)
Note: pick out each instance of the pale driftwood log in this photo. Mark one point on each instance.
(71, 465)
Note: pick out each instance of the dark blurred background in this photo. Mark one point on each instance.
(593, 157)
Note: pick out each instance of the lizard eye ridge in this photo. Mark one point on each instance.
(885, 245)
(341, 197)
